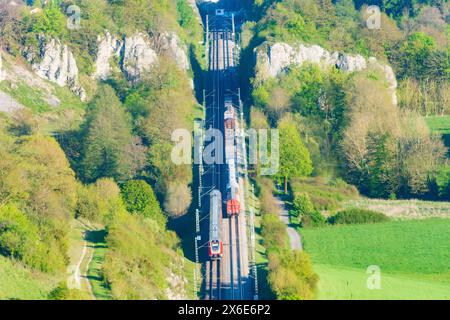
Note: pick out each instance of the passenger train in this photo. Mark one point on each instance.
(215, 226)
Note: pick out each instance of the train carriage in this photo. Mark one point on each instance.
(215, 246)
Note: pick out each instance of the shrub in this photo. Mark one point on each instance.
(273, 232)
(62, 292)
(357, 216)
(291, 275)
(313, 219)
(140, 199)
(98, 202)
(17, 233)
(302, 204)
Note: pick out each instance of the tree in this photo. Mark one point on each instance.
(295, 160)
(140, 199)
(108, 140)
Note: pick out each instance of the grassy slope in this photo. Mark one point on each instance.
(403, 209)
(440, 125)
(17, 282)
(413, 257)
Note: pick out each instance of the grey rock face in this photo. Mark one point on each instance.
(139, 56)
(169, 44)
(8, 104)
(108, 47)
(57, 64)
(273, 59)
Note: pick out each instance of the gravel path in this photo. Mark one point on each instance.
(294, 236)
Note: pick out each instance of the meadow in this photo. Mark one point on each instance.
(403, 209)
(413, 257)
(18, 283)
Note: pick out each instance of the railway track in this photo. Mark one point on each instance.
(224, 277)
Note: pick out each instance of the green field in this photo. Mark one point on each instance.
(439, 124)
(413, 257)
(18, 283)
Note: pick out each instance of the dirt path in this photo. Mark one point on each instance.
(77, 274)
(294, 236)
(82, 253)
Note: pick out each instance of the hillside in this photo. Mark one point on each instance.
(93, 93)
(370, 105)
(83, 134)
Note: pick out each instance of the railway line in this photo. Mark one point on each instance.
(226, 266)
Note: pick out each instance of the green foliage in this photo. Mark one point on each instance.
(51, 21)
(295, 160)
(108, 142)
(302, 204)
(273, 232)
(412, 56)
(99, 202)
(325, 194)
(19, 237)
(304, 209)
(140, 257)
(62, 292)
(21, 283)
(357, 216)
(291, 275)
(140, 199)
(313, 219)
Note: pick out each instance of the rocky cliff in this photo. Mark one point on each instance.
(138, 53)
(273, 59)
(55, 62)
(108, 47)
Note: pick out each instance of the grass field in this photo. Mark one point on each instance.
(18, 283)
(413, 257)
(403, 209)
(339, 283)
(440, 125)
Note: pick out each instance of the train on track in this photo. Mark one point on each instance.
(233, 188)
(215, 226)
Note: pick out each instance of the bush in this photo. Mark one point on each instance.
(140, 199)
(357, 216)
(291, 275)
(98, 202)
(313, 219)
(141, 255)
(302, 204)
(62, 292)
(273, 232)
(17, 234)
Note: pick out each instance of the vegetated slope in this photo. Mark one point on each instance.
(19, 283)
(111, 93)
(411, 250)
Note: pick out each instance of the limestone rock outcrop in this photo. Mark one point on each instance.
(273, 59)
(108, 47)
(56, 63)
(137, 54)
